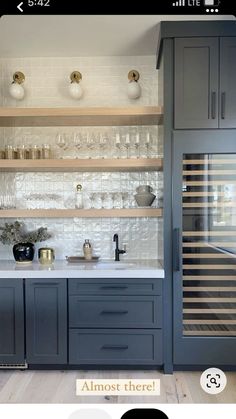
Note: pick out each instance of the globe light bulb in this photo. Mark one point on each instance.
(134, 89)
(75, 89)
(16, 90)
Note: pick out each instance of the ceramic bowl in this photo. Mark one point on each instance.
(144, 199)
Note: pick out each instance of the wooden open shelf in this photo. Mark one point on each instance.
(81, 213)
(106, 116)
(81, 165)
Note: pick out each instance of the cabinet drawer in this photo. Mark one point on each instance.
(115, 287)
(115, 347)
(115, 311)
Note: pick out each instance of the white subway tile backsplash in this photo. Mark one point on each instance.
(105, 84)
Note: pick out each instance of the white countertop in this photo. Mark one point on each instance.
(103, 269)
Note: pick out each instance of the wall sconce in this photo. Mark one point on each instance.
(134, 89)
(16, 89)
(75, 89)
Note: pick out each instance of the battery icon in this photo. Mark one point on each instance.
(211, 3)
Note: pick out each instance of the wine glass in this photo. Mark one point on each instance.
(147, 144)
(90, 144)
(103, 140)
(61, 142)
(78, 142)
(137, 144)
(127, 145)
(118, 145)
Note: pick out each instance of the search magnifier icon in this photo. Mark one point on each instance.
(213, 381)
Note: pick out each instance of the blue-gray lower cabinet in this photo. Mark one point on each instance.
(115, 322)
(46, 321)
(128, 311)
(115, 347)
(120, 286)
(11, 321)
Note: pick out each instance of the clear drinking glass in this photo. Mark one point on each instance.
(107, 201)
(98, 200)
(90, 143)
(78, 143)
(21, 152)
(9, 152)
(127, 145)
(125, 199)
(35, 152)
(117, 200)
(137, 145)
(103, 142)
(118, 145)
(46, 152)
(87, 201)
(147, 144)
(62, 143)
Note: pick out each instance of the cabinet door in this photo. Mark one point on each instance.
(196, 82)
(117, 312)
(115, 347)
(11, 321)
(228, 83)
(204, 222)
(46, 321)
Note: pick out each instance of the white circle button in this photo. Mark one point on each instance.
(213, 381)
(89, 414)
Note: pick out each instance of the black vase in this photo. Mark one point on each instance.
(23, 252)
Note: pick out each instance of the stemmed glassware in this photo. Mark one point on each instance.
(103, 141)
(62, 142)
(78, 143)
(137, 145)
(90, 142)
(7, 202)
(147, 144)
(127, 145)
(124, 143)
(118, 145)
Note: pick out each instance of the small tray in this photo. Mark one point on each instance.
(79, 259)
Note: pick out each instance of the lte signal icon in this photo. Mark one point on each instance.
(179, 3)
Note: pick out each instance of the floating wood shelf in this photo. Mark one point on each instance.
(81, 213)
(106, 116)
(81, 165)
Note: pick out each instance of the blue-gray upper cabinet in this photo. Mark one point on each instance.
(228, 82)
(46, 321)
(11, 321)
(205, 82)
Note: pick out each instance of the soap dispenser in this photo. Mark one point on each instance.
(87, 249)
(79, 197)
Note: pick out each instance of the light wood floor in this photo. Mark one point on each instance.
(59, 387)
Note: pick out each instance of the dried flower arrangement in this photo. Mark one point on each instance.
(13, 233)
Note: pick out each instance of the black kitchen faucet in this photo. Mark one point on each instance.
(118, 252)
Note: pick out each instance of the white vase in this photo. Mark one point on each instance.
(144, 197)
